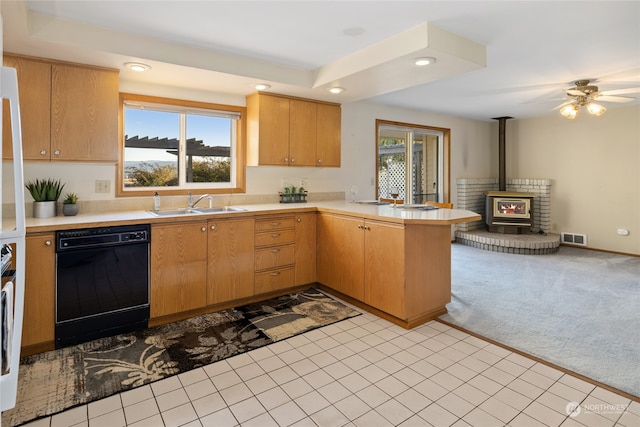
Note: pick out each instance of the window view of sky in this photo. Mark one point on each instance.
(213, 131)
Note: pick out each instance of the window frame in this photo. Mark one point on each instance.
(240, 147)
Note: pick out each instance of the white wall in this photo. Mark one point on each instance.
(594, 165)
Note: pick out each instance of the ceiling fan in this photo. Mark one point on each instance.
(584, 93)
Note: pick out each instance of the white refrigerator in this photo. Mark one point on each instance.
(12, 245)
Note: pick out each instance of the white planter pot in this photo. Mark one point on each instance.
(44, 209)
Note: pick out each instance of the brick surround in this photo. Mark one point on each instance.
(471, 196)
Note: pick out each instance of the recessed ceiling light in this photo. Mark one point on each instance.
(336, 89)
(423, 61)
(261, 86)
(137, 66)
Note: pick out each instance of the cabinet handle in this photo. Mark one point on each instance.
(274, 235)
(366, 227)
(204, 229)
(275, 224)
(359, 226)
(213, 227)
(293, 160)
(319, 160)
(286, 160)
(299, 219)
(274, 273)
(57, 152)
(43, 152)
(47, 243)
(275, 251)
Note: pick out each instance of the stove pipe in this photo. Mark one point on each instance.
(502, 180)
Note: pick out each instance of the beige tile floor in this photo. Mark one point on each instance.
(364, 371)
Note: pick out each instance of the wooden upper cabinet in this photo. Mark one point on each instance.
(34, 84)
(328, 146)
(268, 130)
(303, 124)
(67, 112)
(285, 131)
(84, 113)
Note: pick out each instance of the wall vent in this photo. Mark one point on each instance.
(573, 239)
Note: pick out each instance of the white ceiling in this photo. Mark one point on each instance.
(495, 58)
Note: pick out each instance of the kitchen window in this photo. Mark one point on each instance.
(175, 146)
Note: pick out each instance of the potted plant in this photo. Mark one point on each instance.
(45, 195)
(70, 204)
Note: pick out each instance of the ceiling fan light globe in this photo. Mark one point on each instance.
(569, 111)
(596, 109)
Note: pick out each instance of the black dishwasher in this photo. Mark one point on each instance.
(102, 282)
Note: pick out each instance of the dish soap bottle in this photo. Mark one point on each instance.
(156, 202)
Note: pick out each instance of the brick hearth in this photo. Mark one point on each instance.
(471, 196)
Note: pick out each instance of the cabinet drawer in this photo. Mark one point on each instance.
(275, 280)
(276, 237)
(274, 224)
(274, 257)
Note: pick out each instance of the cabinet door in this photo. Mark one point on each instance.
(84, 113)
(39, 294)
(341, 254)
(178, 267)
(230, 272)
(305, 255)
(328, 135)
(302, 132)
(34, 90)
(274, 130)
(384, 267)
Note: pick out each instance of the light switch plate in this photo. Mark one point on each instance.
(103, 186)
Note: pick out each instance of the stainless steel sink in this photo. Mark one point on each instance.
(175, 212)
(195, 211)
(220, 209)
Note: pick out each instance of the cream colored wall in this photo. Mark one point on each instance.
(594, 165)
(471, 155)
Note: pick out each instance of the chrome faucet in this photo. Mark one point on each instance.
(193, 204)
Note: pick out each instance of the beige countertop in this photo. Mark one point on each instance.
(399, 214)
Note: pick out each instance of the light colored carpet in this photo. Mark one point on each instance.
(577, 308)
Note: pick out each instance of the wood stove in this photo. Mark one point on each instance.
(509, 212)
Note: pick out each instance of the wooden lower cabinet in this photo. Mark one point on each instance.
(274, 257)
(340, 256)
(384, 266)
(305, 244)
(231, 256)
(39, 295)
(178, 267)
(401, 270)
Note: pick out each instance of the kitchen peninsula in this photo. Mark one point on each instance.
(394, 262)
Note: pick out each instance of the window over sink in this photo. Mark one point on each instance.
(173, 146)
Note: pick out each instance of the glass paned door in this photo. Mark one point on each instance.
(409, 159)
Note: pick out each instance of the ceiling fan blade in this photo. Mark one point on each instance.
(621, 91)
(607, 98)
(576, 92)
